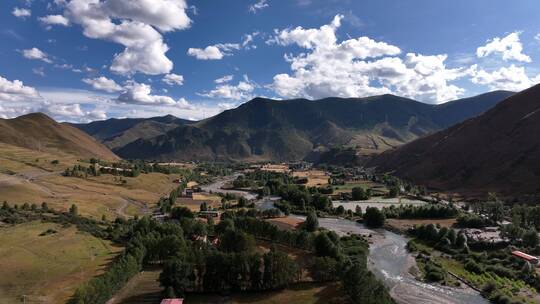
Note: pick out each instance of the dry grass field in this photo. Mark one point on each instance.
(308, 293)
(28, 176)
(403, 224)
(142, 289)
(315, 177)
(287, 223)
(48, 268)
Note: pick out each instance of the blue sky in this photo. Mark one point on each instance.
(82, 60)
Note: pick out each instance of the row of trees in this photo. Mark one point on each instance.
(422, 211)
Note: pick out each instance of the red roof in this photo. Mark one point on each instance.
(172, 301)
(524, 256)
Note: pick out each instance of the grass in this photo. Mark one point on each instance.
(142, 289)
(50, 267)
(305, 293)
(28, 176)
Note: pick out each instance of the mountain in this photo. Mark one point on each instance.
(498, 151)
(115, 133)
(284, 130)
(38, 131)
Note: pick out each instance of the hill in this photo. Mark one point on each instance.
(285, 130)
(39, 132)
(115, 133)
(498, 151)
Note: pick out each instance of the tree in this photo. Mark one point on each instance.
(242, 202)
(374, 218)
(181, 212)
(359, 194)
(236, 241)
(312, 223)
(176, 274)
(324, 247)
(73, 210)
(530, 238)
(358, 211)
(393, 191)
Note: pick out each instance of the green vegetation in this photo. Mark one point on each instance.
(374, 218)
(511, 276)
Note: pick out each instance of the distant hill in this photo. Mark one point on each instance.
(498, 151)
(116, 133)
(38, 131)
(283, 130)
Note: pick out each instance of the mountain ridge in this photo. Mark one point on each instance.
(284, 130)
(496, 151)
(37, 131)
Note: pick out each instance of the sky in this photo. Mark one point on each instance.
(86, 60)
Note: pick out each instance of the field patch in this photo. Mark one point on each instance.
(47, 262)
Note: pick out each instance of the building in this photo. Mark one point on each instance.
(522, 255)
(172, 301)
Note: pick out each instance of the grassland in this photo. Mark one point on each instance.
(28, 176)
(48, 268)
(306, 293)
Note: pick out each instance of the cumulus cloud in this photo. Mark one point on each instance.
(64, 110)
(242, 91)
(13, 91)
(141, 94)
(133, 24)
(21, 12)
(261, 4)
(220, 50)
(512, 78)
(224, 79)
(54, 20)
(509, 47)
(103, 84)
(359, 67)
(173, 79)
(36, 54)
(213, 52)
(17, 99)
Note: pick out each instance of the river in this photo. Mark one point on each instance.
(388, 258)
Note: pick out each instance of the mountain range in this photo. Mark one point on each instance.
(286, 130)
(498, 151)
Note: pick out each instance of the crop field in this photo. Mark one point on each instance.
(47, 268)
(315, 177)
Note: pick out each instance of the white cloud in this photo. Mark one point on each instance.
(140, 93)
(39, 71)
(15, 91)
(173, 79)
(242, 91)
(224, 79)
(510, 78)
(359, 67)
(509, 47)
(133, 24)
(55, 20)
(247, 41)
(103, 84)
(64, 110)
(36, 54)
(261, 4)
(213, 52)
(21, 12)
